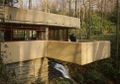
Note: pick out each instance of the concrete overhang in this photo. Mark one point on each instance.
(75, 52)
(16, 15)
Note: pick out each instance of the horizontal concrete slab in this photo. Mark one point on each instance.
(80, 52)
(75, 52)
(22, 51)
(15, 15)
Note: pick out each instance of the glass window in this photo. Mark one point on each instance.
(24, 34)
(18, 34)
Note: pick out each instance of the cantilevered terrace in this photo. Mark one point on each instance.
(49, 41)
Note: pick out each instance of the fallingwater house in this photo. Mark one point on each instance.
(30, 37)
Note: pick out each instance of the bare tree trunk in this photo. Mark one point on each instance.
(64, 10)
(30, 4)
(117, 35)
(69, 7)
(21, 3)
(101, 27)
(89, 22)
(75, 14)
(46, 5)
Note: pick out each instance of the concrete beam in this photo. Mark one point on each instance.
(16, 15)
(75, 52)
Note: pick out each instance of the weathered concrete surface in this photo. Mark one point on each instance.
(30, 71)
(16, 15)
(75, 52)
(22, 51)
(95, 51)
(81, 53)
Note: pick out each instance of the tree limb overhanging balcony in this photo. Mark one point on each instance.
(16, 15)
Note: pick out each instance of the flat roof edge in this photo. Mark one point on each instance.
(16, 15)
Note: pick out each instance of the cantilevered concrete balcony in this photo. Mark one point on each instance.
(16, 15)
(75, 52)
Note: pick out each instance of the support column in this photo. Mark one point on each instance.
(44, 71)
(44, 67)
(46, 33)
